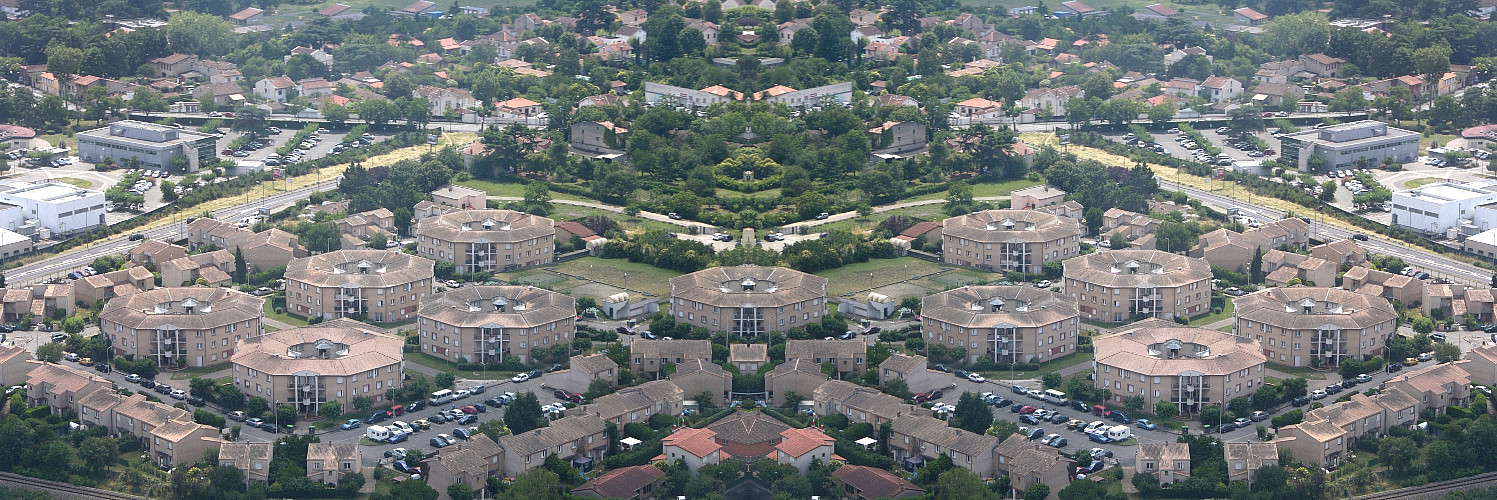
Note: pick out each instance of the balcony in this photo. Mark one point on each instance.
(346, 297)
(1176, 387)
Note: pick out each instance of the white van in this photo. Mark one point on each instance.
(377, 433)
(440, 397)
(1119, 433)
(1056, 397)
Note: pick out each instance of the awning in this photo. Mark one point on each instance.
(581, 461)
(630, 442)
(866, 442)
(915, 461)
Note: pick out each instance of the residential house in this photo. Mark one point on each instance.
(598, 137)
(453, 467)
(264, 250)
(1399, 409)
(978, 110)
(415, 9)
(1137, 228)
(917, 438)
(650, 355)
(1156, 12)
(214, 268)
(1222, 88)
(1233, 250)
(868, 483)
(898, 137)
(696, 446)
(795, 376)
(173, 65)
(1167, 462)
(859, 404)
(629, 483)
(155, 253)
(57, 386)
(748, 357)
(519, 110)
(1359, 417)
(695, 376)
(446, 100)
(1341, 252)
(275, 88)
(38, 300)
(328, 462)
(1080, 9)
(112, 284)
(798, 447)
(313, 88)
(252, 459)
(583, 370)
(1244, 459)
(1320, 442)
(1181, 53)
(846, 356)
(787, 30)
(1282, 267)
(862, 17)
(710, 30)
(1053, 100)
(913, 370)
(1323, 65)
(635, 405)
(576, 438)
(14, 369)
(1437, 387)
(1276, 94)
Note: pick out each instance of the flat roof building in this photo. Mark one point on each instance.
(1115, 285)
(61, 208)
(379, 284)
(748, 300)
(1189, 367)
(487, 240)
(1009, 240)
(1006, 324)
(1434, 208)
(197, 325)
(486, 324)
(150, 145)
(1315, 326)
(306, 367)
(1349, 144)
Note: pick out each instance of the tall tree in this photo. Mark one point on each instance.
(524, 414)
(241, 267)
(972, 414)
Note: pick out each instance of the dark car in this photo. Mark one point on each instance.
(163, 389)
(494, 402)
(416, 406)
(468, 419)
(1301, 401)
(1016, 407)
(1059, 419)
(269, 427)
(960, 373)
(378, 416)
(1119, 417)
(438, 419)
(137, 237)
(1333, 388)
(101, 367)
(873, 330)
(196, 401)
(622, 331)
(1393, 367)
(1028, 419)
(1079, 406)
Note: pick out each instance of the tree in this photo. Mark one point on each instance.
(50, 353)
(1445, 353)
(148, 100)
(1295, 387)
(256, 407)
(1240, 407)
(445, 380)
(285, 414)
(1255, 268)
(459, 491)
(73, 325)
(99, 453)
(335, 113)
(1295, 34)
(971, 414)
(1037, 491)
(250, 120)
(331, 409)
(200, 387)
(241, 267)
(897, 387)
(1398, 452)
(493, 429)
(362, 403)
(959, 484)
(1211, 415)
(413, 490)
(1082, 490)
(524, 414)
(537, 483)
(1165, 409)
(1051, 380)
(1134, 402)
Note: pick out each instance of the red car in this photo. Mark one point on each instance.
(229, 114)
(469, 410)
(1267, 114)
(1027, 410)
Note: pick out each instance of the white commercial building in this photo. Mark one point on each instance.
(54, 206)
(1360, 144)
(1438, 207)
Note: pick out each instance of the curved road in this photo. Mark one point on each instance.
(1435, 264)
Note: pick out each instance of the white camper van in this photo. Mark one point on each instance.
(1119, 433)
(377, 432)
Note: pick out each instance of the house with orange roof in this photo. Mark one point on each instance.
(697, 447)
(247, 16)
(798, 447)
(519, 110)
(415, 9)
(867, 483)
(978, 110)
(1249, 17)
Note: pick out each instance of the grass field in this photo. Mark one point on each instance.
(866, 223)
(898, 278)
(1206, 319)
(511, 189)
(598, 278)
(289, 319)
(433, 362)
(985, 190)
(76, 182)
(1419, 182)
(1053, 365)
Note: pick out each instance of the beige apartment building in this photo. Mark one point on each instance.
(650, 355)
(1313, 326)
(306, 367)
(1007, 324)
(846, 356)
(1190, 367)
(484, 324)
(487, 240)
(1113, 286)
(1009, 240)
(379, 284)
(199, 325)
(748, 300)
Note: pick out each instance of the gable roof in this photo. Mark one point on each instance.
(748, 427)
(334, 10)
(623, 482)
(875, 483)
(1163, 10)
(798, 442)
(697, 442)
(246, 14)
(1250, 14)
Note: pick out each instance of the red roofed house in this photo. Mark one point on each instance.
(1157, 11)
(275, 88)
(247, 16)
(518, 109)
(695, 446)
(335, 10)
(800, 446)
(867, 483)
(978, 109)
(1222, 88)
(1080, 9)
(1249, 17)
(1324, 65)
(629, 483)
(415, 9)
(565, 230)
(174, 64)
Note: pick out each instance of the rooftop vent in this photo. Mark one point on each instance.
(996, 304)
(748, 284)
(500, 305)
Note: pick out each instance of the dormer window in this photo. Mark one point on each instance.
(996, 304)
(188, 305)
(747, 284)
(364, 266)
(500, 305)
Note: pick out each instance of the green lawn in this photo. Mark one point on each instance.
(598, 278)
(271, 329)
(901, 277)
(984, 189)
(428, 360)
(1298, 371)
(1209, 318)
(511, 189)
(287, 318)
(866, 223)
(76, 182)
(1419, 182)
(198, 371)
(1053, 365)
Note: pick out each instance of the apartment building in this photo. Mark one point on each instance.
(1009, 240)
(191, 326)
(306, 367)
(748, 300)
(1315, 326)
(798, 376)
(579, 439)
(487, 240)
(650, 355)
(846, 356)
(1169, 463)
(486, 324)
(1116, 285)
(1189, 367)
(377, 284)
(916, 439)
(860, 404)
(1007, 324)
(634, 405)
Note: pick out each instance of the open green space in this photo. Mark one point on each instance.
(984, 189)
(1419, 182)
(1053, 365)
(435, 363)
(1209, 318)
(511, 189)
(198, 371)
(901, 277)
(598, 278)
(1297, 371)
(287, 318)
(85, 184)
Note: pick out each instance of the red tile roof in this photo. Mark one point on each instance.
(697, 442)
(874, 483)
(799, 442)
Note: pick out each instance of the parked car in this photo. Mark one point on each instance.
(1301, 401)
(976, 378)
(352, 423)
(1318, 394)
(237, 416)
(1142, 423)
(519, 378)
(1259, 416)
(193, 400)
